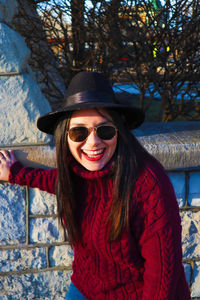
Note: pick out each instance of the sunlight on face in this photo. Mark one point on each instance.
(93, 153)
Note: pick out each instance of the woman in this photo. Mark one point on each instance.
(114, 199)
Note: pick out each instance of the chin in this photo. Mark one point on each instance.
(93, 167)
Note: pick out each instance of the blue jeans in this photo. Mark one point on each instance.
(73, 293)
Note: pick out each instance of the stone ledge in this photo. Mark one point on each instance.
(35, 155)
(176, 145)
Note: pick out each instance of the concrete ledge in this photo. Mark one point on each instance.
(176, 145)
(35, 155)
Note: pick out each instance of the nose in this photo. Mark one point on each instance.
(92, 138)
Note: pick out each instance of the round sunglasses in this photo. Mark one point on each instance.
(80, 133)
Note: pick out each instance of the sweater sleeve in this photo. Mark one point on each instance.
(163, 266)
(160, 241)
(43, 179)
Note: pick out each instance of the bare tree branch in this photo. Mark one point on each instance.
(155, 47)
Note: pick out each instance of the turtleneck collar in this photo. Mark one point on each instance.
(92, 175)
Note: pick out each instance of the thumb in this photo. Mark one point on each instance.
(12, 155)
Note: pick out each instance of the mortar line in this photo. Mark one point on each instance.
(190, 208)
(54, 216)
(19, 146)
(191, 260)
(47, 257)
(186, 169)
(191, 277)
(27, 215)
(34, 271)
(11, 73)
(186, 187)
(33, 246)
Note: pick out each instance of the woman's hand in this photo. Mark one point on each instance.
(7, 158)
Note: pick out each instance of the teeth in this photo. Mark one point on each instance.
(93, 153)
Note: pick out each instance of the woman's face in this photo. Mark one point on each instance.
(93, 153)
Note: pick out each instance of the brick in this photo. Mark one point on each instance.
(196, 280)
(194, 189)
(46, 285)
(190, 234)
(61, 256)
(22, 259)
(42, 202)
(178, 182)
(12, 215)
(188, 271)
(45, 230)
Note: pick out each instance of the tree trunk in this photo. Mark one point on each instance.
(77, 14)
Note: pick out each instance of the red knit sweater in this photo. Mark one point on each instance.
(144, 264)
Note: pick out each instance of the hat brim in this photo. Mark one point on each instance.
(134, 116)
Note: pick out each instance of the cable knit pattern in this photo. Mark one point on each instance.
(146, 262)
(45, 180)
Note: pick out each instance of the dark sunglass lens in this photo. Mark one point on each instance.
(106, 132)
(78, 134)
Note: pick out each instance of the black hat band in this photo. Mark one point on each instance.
(89, 96)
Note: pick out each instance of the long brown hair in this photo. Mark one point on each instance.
(126, 169)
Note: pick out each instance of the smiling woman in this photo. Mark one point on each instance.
(94, 152)
(115, 200)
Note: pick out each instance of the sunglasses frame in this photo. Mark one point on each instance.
(90, 129)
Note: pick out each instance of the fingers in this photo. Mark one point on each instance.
(12, 155)
(4, 154)
(7, 156)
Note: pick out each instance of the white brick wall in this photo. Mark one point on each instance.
(35, 258)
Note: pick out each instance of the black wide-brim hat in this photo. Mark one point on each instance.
(90, 90)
